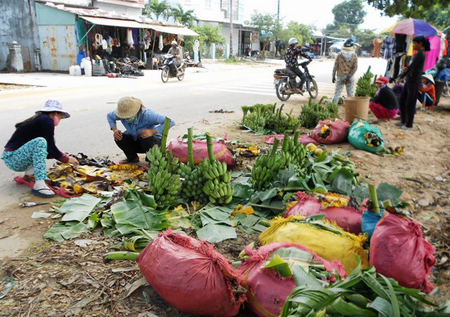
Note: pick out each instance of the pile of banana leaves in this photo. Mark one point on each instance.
(362, 293)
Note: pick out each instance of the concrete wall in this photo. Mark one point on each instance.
(18, 23)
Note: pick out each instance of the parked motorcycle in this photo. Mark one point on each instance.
(165, 69)
(283, 86)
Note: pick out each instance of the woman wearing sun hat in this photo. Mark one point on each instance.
(427, 92)
(33, 142)
(385, 103)
(143, 128)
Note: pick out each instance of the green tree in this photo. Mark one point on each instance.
(437, 15)
(409, 8)
(186, 18)
(157, 9)
(365, 39)
(266, 25)
(350, 13)
(208, 34)
(303, 33)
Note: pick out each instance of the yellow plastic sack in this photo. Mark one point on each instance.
(327, 244)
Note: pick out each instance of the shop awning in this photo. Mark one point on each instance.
(116, 22)
(172, 30)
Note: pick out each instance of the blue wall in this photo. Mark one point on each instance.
(18, 23)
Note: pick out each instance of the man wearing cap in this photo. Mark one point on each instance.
(385, 103)
(427, 92)
(33, 142)
(175, 50)
(143, 128)
(345, 67)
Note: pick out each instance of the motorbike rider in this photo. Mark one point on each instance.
(175, 50)
(292, 53)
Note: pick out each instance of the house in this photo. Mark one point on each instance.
(217, 12)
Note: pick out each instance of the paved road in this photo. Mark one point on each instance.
(217, 86)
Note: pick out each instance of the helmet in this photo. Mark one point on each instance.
(349, 44)
(174, 43)
(293, 41)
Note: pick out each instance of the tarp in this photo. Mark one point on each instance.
(172, 30)
(116, 22)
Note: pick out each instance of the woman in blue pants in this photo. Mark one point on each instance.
(33, 142)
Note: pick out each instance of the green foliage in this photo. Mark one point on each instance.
(262, 118)
(303, 33)
(157, 9)
(210, 34)
(409, 8)
(365, 86)
(438, 15)
(266, 25)
(314, 112)
(349, 12)
(365, 38)
(186, 18)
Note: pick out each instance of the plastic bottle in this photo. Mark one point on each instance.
(87, 67)
(77, 70)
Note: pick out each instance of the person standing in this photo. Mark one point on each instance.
(33, 142)
(292, 53)
(385, 103)
(345, 67)
(413, 74)
(143, 128)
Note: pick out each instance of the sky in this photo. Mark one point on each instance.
(315, 12)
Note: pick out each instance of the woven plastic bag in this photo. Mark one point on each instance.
(331, 131)
(398, 250)
(191, 276)
(180, 149)
(348, 218)
(364, 136)
(326, 240)
(369, 222)
(266, 290)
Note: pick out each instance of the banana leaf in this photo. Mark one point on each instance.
(79, 208)
(61, 231)
(216, 233)
(131, 215)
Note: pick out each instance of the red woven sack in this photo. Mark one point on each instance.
(266, 291)
(303, 139)
(338, 131)
(221, 152)
(398, 250)
(191, 276)
(347, 218)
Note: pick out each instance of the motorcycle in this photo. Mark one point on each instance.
(283, 87)
(165, 69)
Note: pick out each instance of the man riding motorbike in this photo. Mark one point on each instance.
(175, 50)
(292, 52)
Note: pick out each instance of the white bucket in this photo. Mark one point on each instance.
(88, 69)
(77, 70)
(72, 70)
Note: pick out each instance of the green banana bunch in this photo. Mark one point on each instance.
(192, 189)
(217, 186)
(163, 182)
(218, 192)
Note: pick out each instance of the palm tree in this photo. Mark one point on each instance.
(185, 18)
(157, 9)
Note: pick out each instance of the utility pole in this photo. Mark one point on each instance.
(231, 28)
(278, 14)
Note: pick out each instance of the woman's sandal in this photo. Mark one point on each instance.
(39, 192)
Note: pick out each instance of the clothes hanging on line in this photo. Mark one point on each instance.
(388, 48)
(377, 43)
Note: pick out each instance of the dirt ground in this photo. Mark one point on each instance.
(70, 278)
